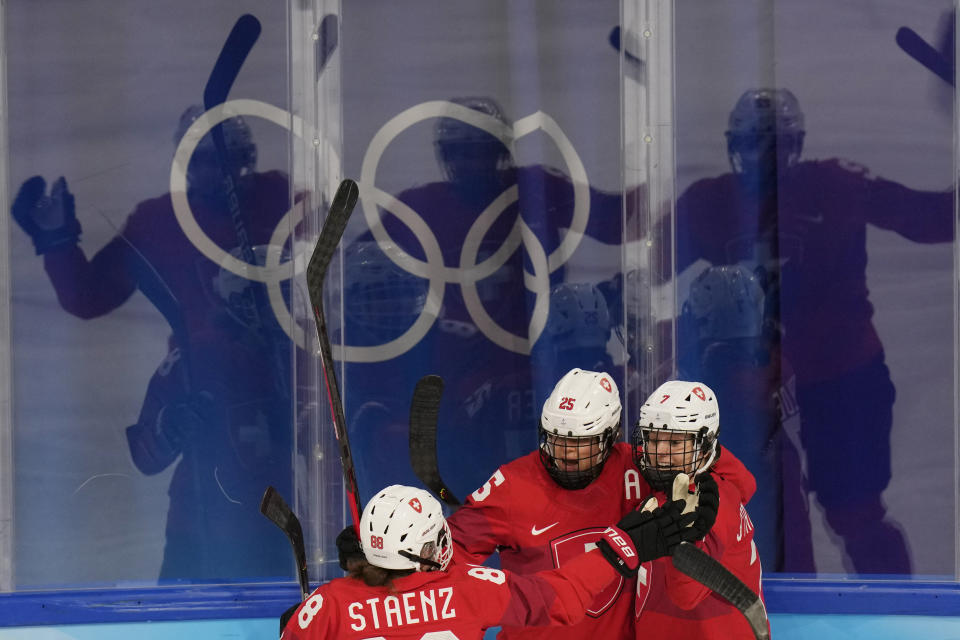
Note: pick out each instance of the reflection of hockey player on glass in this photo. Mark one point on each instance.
(801, 227)
(216, 399)
(577, 331)
(738, 355)
(380, 302)
(493, 384)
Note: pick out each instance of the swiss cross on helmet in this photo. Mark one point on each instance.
(676, 432)
(579, 425)
(403, 528)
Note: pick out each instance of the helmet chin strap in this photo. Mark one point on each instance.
(421, 560)
(714, 453)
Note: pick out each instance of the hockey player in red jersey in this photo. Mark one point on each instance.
(541, 511)
(677, 433)
(404, 588)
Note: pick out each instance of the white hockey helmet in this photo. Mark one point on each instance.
(579, 424)
(403, 528)
(677, 407)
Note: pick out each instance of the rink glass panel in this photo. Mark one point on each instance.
(95, 94)
(158, 390)
(811, 285)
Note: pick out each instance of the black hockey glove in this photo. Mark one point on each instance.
(708, 503)
(286, 615)
(348, 547)
(50, 221)
(618, 548)
(179, 424)
(656, 531)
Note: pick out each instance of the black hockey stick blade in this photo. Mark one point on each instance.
(344, 201)
(626, 42)
(328, 37)
(924, 53)
(424, 411)
(227, 67)
(335, 224)
(236, 48)
(279, 513)
(700, 566)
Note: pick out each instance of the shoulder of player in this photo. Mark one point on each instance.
(329, 596)
(500, 485)
(522, 469)
(709, 187)
(270, 188)
(465, 582)
(541, 171)
(427, 196)
(271, 179)
(419, 579)
(624, 449)
(341, 585)
(732, 476)
(150, 213)
(709, 202)
(620, 460)
(832, 168)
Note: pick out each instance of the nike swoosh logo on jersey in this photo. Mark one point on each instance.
(535, 532)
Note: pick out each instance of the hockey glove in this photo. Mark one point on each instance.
(655, 531)
(179, 423)
(286, 615)
(708, 503)
(348, 547)
(50, 221)
(617, 547)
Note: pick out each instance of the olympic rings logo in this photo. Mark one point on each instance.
(467, 274)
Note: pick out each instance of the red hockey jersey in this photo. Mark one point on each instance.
(459, 603)
(669, 604)
(537, 525)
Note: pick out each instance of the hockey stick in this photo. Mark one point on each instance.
(924, 53)
(424, 410)
(706, 570)
(235, 50)
(625, 41)
(687, 558)
(333, 227)
(227, 67)
(225, 71)
(328, 36)
(279, 513)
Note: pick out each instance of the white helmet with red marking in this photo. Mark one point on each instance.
(579, 425)
(403, 528)
(688, 416)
